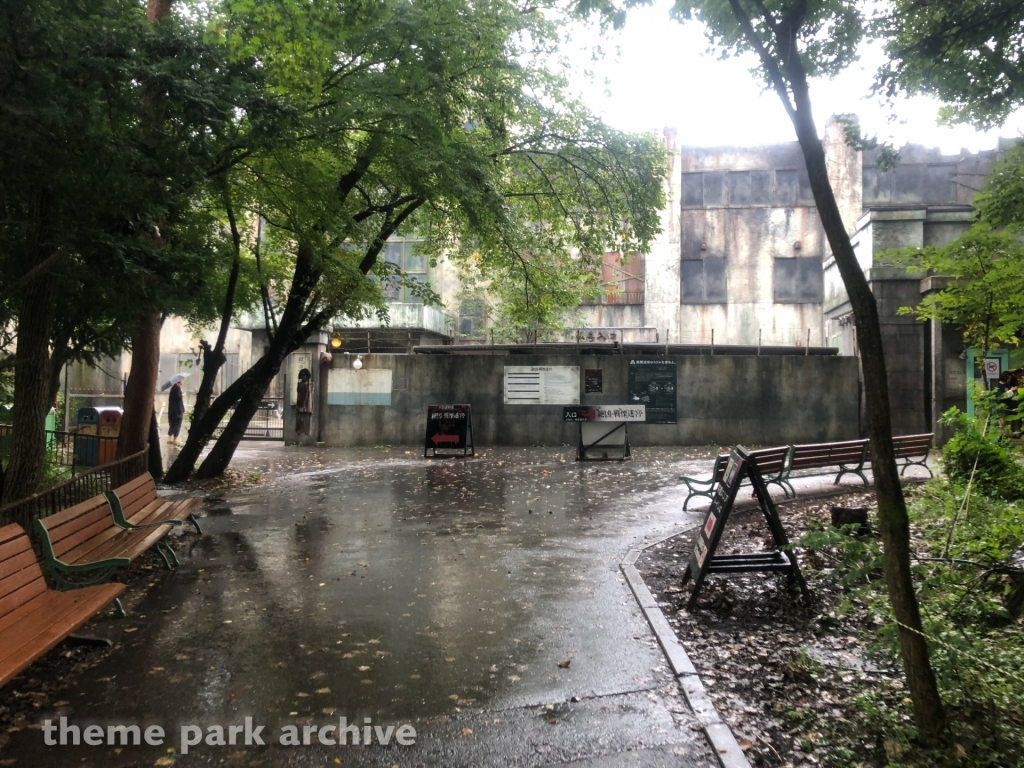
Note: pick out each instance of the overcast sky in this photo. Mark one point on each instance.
(657, 76)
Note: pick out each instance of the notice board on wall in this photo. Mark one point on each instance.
(652, 383)
(542, 385)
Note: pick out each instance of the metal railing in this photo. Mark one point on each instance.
(68, 449)
(79, 488)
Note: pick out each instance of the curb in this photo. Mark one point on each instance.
(718, 732)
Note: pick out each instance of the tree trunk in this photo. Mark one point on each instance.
(214, 358)
(252, 385)
(31, 388)
(154, 458)
(892, 509)
(142, 381)
(252, 395)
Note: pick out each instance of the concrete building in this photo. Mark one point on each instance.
(742, 261)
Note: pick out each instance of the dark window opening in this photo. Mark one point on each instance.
(799, 281)
(702, 281)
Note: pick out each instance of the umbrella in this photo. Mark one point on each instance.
(173, 380)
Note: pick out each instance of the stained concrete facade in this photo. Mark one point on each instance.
(925, 200)
(721, 399)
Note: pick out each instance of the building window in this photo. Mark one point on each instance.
(799, 281)
(702, 281)
(404, 255)
(622, 278)
(471, 319)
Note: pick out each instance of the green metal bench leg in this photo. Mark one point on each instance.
(168, 554)
(192, 519)
(709, 493)
(858, 471)
(120, 608)
(907, 462)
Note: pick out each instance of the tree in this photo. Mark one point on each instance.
(101, 218)
(417, 118)
(966, 53)
(985, 295)
(795, 40)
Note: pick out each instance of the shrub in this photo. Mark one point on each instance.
(996, 470)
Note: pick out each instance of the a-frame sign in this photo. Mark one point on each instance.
(449, 427)
(703, 560)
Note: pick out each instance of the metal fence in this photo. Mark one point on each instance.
(79, 488)
(68, 449)
(268, 422)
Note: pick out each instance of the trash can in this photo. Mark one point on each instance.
(86, 438)
(109, 430)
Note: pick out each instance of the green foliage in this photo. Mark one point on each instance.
(977, 649)
(966, 53)
(1001, 202)
(985, 291)
(996, 469)
(436, 119)
(858, 559)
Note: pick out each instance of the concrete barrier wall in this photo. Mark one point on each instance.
(721, 399)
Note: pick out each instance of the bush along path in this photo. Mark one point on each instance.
(822, 684)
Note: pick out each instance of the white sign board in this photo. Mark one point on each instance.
(991, 367)
(542, 385)
(620, 412)
(346, 386)
(595, 434)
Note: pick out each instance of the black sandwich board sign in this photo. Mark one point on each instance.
(652, 384)
(703, 560)
(449, 427)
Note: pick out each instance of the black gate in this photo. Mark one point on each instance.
(268, 423)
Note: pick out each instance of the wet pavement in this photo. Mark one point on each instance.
(373, 584)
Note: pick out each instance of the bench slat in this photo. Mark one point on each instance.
(43, 630)
(128, 544)
(21, 588)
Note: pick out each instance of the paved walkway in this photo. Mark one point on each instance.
(374, 584)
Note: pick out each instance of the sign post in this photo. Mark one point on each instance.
(602, 427)
(449, 427)
(704, 561)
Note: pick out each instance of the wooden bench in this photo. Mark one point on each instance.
(771, 461)
(848, 456)
(136, 505)
(33, 617)
(910, 447)
(697, 487)
(75, 540)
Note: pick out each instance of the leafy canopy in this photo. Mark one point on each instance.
(437, 119)
(966, 53)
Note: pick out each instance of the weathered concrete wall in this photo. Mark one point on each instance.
(721, 400)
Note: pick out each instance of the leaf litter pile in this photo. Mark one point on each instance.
(784, 675)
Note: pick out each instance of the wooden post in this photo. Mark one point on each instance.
(712, 341)
(758, 342)
(807, 350)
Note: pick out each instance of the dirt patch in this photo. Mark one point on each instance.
(783, 674)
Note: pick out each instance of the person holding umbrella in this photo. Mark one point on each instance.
(175, 407)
